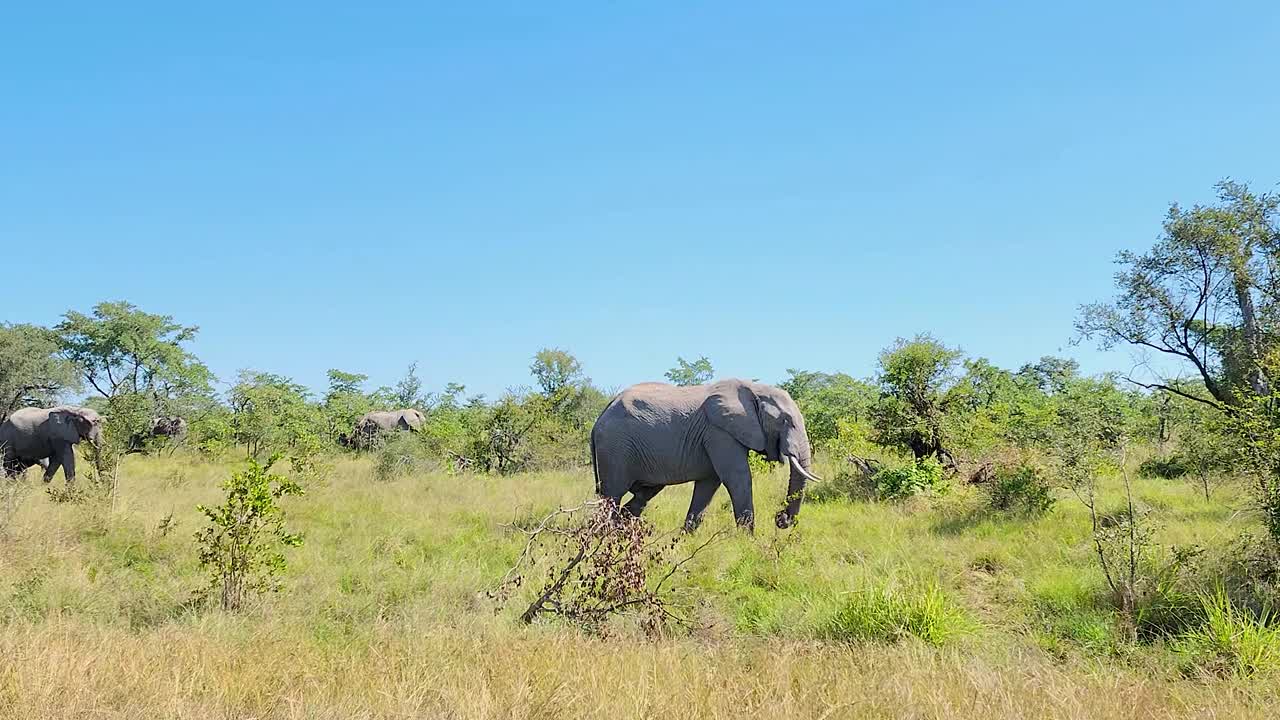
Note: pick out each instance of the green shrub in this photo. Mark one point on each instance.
(1231, 641)
(1021, 488)
(882, 614)
(899, 483)
(1167, 467)
(240, 550)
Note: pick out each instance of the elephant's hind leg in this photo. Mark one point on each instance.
(703, 491)
(640, 496)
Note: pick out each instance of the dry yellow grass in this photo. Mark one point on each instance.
(63, 669)
(381, 619)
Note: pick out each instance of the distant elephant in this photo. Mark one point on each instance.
(653, 435)
(34, 436)
(374, 424)
(171, 427)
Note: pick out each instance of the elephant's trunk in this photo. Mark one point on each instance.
(799, 460)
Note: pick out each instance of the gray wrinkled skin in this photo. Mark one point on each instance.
(653, 435)
(47, 437)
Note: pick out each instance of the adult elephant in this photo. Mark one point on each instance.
(653, 435)
(374, 424)
(34, 436)
(170, 427)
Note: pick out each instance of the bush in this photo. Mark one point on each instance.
(1021, 488)
(881, 614)
(1168, 467)
(400, 455)
(241, 547)
(900, 483)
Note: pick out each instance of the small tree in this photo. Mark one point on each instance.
(556, 370)
(241, 548)
(916, 381)
(270, 414)
(698, 372)
(345, 402)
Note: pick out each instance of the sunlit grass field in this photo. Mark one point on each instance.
(383, 613)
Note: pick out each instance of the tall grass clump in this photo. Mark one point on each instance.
(1231, 641)
(883, 614)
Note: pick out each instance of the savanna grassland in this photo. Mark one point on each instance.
(383, 612)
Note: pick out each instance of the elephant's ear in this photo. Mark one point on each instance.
(731, 406)
(66, 424)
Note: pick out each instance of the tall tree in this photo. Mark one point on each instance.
(1206, 296)
(121, 349)
(698, 372)
(31, 371)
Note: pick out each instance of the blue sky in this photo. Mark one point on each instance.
(772, 185)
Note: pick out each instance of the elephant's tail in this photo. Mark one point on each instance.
(595, 467)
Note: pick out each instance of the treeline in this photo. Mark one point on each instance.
(927, 400)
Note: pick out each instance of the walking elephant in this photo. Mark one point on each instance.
(47, 437)
(653, 435)
(375, 424)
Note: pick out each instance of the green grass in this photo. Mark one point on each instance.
(934, 602)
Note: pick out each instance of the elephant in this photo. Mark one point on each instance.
(372, 425)
(171, 427)
(652, 435)
(47, 437)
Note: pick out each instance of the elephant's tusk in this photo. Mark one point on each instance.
(808, 475)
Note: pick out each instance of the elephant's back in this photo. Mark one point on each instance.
(22, 431)
(656, 403)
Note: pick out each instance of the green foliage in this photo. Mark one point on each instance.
(555, 369)
(270, 414)
(344, 403)
(698, 372)
(1167, 467)
(407, 393)
(1230, 641)
(883, 614)
(119, 348)
(828, 400)
(1021, 488)
(31, 372)
(1255, 424)
(917, 379)
(899, 483)
(1203, 294)
(241, 549)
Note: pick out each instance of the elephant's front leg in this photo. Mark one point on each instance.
(703, 491)
(51, 465)
(729, 458)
